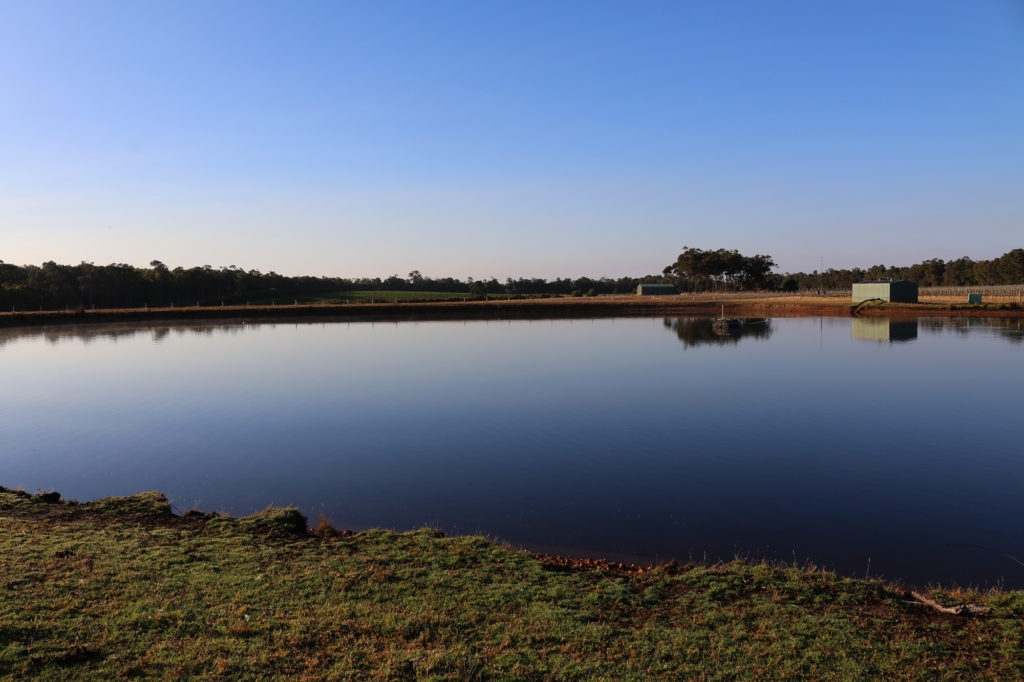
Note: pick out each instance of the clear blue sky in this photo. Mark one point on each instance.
(509, 138)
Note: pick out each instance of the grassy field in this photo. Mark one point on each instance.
(384, 296)
(388, 296)
(122, 587)
(343, 296)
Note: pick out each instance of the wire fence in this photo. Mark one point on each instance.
(1000, 293)
(833, 293)
(996, 291)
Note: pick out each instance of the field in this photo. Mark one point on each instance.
(122, 587)
(382, 296)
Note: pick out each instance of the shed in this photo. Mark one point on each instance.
(893, 291)
(656, 290)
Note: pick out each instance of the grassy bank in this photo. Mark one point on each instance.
(121, 587)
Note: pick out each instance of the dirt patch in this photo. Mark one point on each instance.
(568, 563)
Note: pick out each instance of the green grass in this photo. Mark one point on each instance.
(380, 296)
(339, 297)
(121, 587)
(388, 296)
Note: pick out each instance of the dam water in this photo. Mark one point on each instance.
(888, 447)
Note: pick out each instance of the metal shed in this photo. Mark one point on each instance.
(656, 290)
(893, 291)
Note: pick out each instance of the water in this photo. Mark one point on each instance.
(893, 447)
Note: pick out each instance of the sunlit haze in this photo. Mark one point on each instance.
(525, 139)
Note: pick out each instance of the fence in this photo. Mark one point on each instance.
(1001, 292)
(829, 293)
(994, 291)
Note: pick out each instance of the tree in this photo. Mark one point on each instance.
(756, 270)
(1011, 267)
(695, 268)
(478, 289)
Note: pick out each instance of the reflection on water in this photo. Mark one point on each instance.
(112, 332)
(693, 332)
(699, 331)
(596, 436)
(884, 329)
(1007, 328)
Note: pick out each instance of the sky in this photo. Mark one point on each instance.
(509, 139)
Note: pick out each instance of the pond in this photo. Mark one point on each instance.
(870, 446)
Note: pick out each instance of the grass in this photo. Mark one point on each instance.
(402, 295)
(378, 296)
(122, 587)
(387, 296)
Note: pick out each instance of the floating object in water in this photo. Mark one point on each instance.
(725, 326)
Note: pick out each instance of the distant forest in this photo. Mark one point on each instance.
(962, 272)
(54, 286)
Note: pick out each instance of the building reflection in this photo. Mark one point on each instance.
(882, 329)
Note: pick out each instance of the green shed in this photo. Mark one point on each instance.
(893, 291)
(656, 290)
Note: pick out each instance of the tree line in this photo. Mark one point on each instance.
(54, 286)
(118, 285)
(935, 272)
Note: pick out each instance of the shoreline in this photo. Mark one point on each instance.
(153, 508)
(546, 308)
(121, 587)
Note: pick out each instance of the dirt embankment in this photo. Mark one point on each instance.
(601, 306)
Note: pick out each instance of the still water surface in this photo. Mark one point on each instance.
(893, 447)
